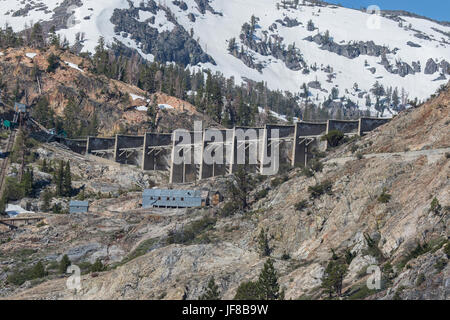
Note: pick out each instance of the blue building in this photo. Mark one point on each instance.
(78, 206)
(19, 107)
(173, 198)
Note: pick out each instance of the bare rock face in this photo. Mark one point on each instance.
(431, 67)
(350, 218)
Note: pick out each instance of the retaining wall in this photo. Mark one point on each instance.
(156, 159)
(128, 149)
(344, 126)
(370, 124)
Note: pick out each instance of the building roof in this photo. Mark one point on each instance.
(172, 193)
(20, 106)
(74, 203)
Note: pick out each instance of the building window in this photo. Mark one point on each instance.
(182, 199)
(168, 198)
(159, 198)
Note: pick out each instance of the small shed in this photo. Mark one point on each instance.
(78, 206)
(19, 107)
(161, 198)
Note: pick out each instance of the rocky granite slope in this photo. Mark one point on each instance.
(377, 208)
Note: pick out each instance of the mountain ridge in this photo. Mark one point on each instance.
(189, 31)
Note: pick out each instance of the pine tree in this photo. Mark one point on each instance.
(232, 45)
(263, 244)
(38, 271)
(212, 291)
(240, 187)
(268, 286)
(395, 98)
(98, 266)
(59, 179)
(64, 264)
(67, 180)
(47, 198)
(247, 291)
(37, 36)
(27, 182)
(333, 277)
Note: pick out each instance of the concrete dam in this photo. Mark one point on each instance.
(200, 154)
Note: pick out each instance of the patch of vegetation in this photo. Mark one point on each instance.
(384, 197)
(388, 271)
(361, 292)
(301, 205)
(333, 276)
(211, 291)
(247, 291)
(229, 209)
(321, 189)
(261, 194)
(263, 244)
(240, 187)
(397, 295)
(418, 251)
(334, 138)
(440, 265)
(53, 63)
(278, 181)
(447, 249)
(98, 266)
(20, 277)
(285, 256)
(435, 206)
(191, 231)
(349, 256)
(265, 288)
(41, 224)
(64, 264)
(420, 279)
(316, 165)
(141, 249)
(373, 249)
(307, 172)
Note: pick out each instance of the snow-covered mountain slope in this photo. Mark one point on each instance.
(339, 49)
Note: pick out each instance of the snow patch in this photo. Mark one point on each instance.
(141, 108)
(136, 97)
(165, 106)
(73, 66)
(13, 210)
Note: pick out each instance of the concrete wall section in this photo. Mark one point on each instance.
(128, 149)
(305, 129)
(157, 151)
(247, 144)
(186, 146)
(76, 145)
(96, 143)
(369, 124)
(276, 148)
(216, 153)
(304, 136)
(344, 126)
